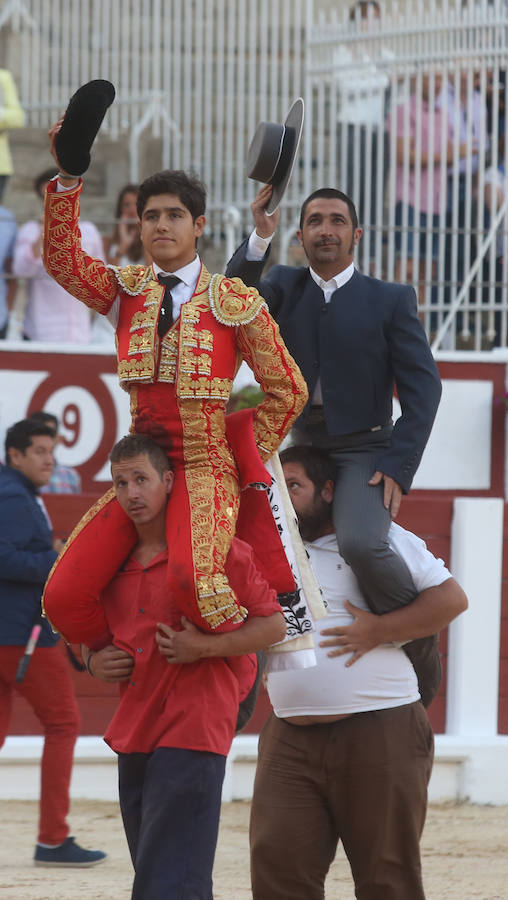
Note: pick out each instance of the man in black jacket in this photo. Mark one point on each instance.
(355, 338)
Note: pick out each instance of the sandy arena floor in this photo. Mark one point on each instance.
(465, 856)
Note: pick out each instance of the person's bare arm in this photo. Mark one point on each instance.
(191, 644)
(432, 610)
(109, 664)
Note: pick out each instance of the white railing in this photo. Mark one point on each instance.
(200, 74)
(428, 79)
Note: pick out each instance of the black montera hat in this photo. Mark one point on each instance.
(272, 153)
(82, 120)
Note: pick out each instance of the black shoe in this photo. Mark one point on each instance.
(424, 654)
(67, 854)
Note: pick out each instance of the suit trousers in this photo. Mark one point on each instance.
(170, 802)
(48, 688)
(362, 522)
(361, 780)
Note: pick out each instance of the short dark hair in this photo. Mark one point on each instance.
(140, 444)
(19, 436)
(187, 187)
(45, 418)
(317, 464)
(330, 194)
(43, 179)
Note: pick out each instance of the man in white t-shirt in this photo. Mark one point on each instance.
(348, 752)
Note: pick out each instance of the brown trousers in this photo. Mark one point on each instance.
(362, 780)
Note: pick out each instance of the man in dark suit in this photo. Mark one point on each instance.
(355, 338)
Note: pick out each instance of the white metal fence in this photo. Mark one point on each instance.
(405, 112)
(199, 74)
(408, 117)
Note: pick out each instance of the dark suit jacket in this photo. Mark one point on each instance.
(26, 557)
(367, 339)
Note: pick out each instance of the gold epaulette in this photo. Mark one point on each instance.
(232, 302)
(132, 279)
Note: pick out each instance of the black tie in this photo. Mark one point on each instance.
(166, 314)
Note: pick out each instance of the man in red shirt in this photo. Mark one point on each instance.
(176, 718)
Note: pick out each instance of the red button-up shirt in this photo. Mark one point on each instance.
(193, 705)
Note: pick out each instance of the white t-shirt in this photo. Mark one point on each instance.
(383, 677)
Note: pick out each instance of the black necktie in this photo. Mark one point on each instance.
(166, 313)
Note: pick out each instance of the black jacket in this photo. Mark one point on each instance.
(26, 557)
(362, 343)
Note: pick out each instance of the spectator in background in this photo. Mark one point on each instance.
(496, 191)
(124, 247)
(362, 87)
(51, 313)
(419, 126)
(11, 116)
(467, 118)
(64, 480)
(27, 553)
(7, 286)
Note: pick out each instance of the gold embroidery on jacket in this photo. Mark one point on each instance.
(133, 279)
(84, 277)
(279, 378)
(213, 500)
(141, 343)
(203, 387)
(169, 355)
(136, 369)
(232, 303)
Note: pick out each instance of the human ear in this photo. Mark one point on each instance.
(169, 477)
(328, 491)
(199, 225)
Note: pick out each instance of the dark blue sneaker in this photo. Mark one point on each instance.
(67, 854)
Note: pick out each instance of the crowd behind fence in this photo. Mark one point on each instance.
(412, 110)
(405, 111)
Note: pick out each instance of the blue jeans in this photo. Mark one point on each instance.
(170, 803)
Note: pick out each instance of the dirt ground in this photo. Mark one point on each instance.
(465, 855)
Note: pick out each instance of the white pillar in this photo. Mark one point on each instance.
(473, 643)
